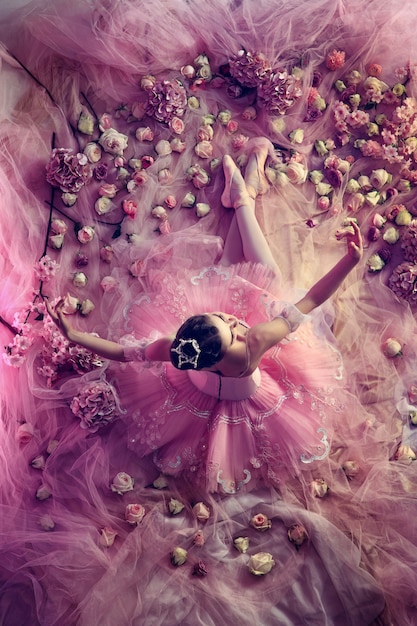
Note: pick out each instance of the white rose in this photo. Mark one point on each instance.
(56, 241)
(69, 199)
(46, 523)
(175, 506)
(163, 147)
(43, 493)
(351, 468)
(70, 305)
(86, 307)
(319, 488)
(391, 235)
(122, 483)
(178, 556)
(392, 348)
(201, 511)
(93, 152)
(161, 482)
(375, 263)
(353, 186)
(296, 172)
(365, 183)
(316, 176)
(405, 455)
(86, 123)
(379, 178)
(113, 142)
(159, 212)
(202, 209)
(103, 205)
(372, 197)
(79, 279)
(261, 563)
(297, 136)
(241, 544)
(323, 189)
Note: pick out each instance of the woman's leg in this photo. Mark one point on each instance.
(240, 193)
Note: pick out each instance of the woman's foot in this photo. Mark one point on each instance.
(255, 179)
(235, 193)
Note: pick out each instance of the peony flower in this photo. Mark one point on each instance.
(85, 234)
(261, 563)
(319, 488)
(175, 506)
(144, 133)
(96, 405)
(391, 348)
(297, 534)
(122, 483)
(46, 523)
(67, 170)
(241, 544)
(249, 69)
(134, 513)
(405, 455)
(43, 493)
(351, 469)
(38, 462)
(279, 92)
(178, 556)
(113, 142)
(335, 60)
(260, 522)
(199, 539)
(201, 512)
(166, 99)
(25, 433)
(107, 536)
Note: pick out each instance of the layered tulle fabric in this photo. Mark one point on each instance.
(332, 85)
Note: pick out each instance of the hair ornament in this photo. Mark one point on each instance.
(185, 358)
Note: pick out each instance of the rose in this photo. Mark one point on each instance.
(107, 536)
(171, 202)
(404, 218)
(372, 197)
(103, 205)
(104, 122)
(323, 189)
(261, 563)
(130, 208)
(198, 176)
(202, 209)
(108, 284)
(43, 493)
(159, 212)
(199, 539)
(297, 135)
(164, 176)
(46, 523)
(260, 522)
(323, 203)
(70, 305)
(163, 148)
(56, 241)
(239, 141)
(201, 512)
(188, 71)
(188, 201)
(249, 113)
(391, 235)
(315, 176)
(405, 455)
(319, 488)
(176, 125)
(38, 462)
(85, 234)
(86, 123)
(113, 142)
(204, 149)
(140, 177)
(200, 569)
(107, 190)
(224, 117)
(241, 544)
(375, 263)
(161, 482)
(391, 348)
(79, 279)
(296, 172)
(106, 253)
(297, 534)
(59, 226)
(175, 506)
(178, 556)
(147, 82)
(204, 72)
(214, 164)
(122, 483)
(177, 145)
(144, 133)
(69, 199)
(134, 513)
(205, 133)
(25, 433)
(379, 178)
(193, 103)
(351, 468)
(93, 152)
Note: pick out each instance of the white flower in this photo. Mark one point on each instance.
(297, 135)
(296, 172)
(323, 189)
(319, 488)
(93, 152)
(103, 205)
(122, 483)
(241, 544)
(43, 492)
(201, 511)
(113, 142)
(178, 556)
(175, 506)
(375, 263)
(261, 563)
(379, 178)
(86, 307)
(392, 347)
(405, 455)
(46, 523)
(353, 186)
(79, 279)
(163, 147)
(391, 235)
(161, 482)
(134, 513)
(351, 468)
(315, 176)
(202, 209)
(372, 197)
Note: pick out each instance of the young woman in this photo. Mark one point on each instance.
(249, 384)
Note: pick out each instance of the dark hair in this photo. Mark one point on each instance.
(200, 341)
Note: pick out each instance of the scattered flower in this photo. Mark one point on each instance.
(25, 433)
(86, 307)
(96, 405)
(200, 569)
(46, 523)
(297, 535)
(175, 506)
(335, 60)
(201, 512)
(405, 455)
(178, 556)
(392, 348)
(261, 563)
(260, 522)
(85, 234)
(351, 469)
(38, 462)
(199, 539)
(113, 142)
(202, 209)
(134, 513)
(43, 493)
(241, 544)
(319, 488)
(107, 536)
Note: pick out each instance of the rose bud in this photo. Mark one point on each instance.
(241, 544)
(81, 260)
(261, 563)
(201, 511)
(351, 468)
(160, 482)
(392, 348)
(202, 209)
(43, 493)
(107, 537)
(122, 483)
(297, 534)
(319, 488)
(175, 506)
(25, 433)
(46, 523)
(134, 513)
(178, 556)
(106, 254)
(405, 455)
(199, 539)
(200, 569)
(38, 462)
(79, 279)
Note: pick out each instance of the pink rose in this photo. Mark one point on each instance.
(205, 133)
(146, 161)
(260, 522)
(59, 226)
(85, 234)
(296, 172)
(106, 254)
(93, 152)
(119, 161)
(107, 536)
(199, 539)
(144, 133)
(170, 202)
(107, 190)
(249, 113)
(134, 513)
(137, 268)
(323, 203)
(297, 534)
(204, 149)
(177, 145)
(140, 177)
(164, 176)
(164, 227)
(176, 125)
(25, 433)
(113, 142)
(108, 284)
(130, 208)
(122, 483)
(232, 126)
(105, 122)
(201, 512)
(239, 141)
(198, 176)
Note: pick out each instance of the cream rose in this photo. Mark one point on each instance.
(175, 506)
(241, 544)
(202, 209)
(113, 142)
(93, 152)
(261, 563)
(405, 455)
(176, 125)
(163, 147)
(199, 539)
(297, 173)
(86, 307)
(161, 482)
(107, 537)
(79, 279)
(43, 493)
(178, 556)
(201, 511)
(392, 347)
(319, 488)
(204, 149)
(38, 462)
(144, 133)
(122, 483)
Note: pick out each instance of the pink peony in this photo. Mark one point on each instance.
(249, 69)
(167, 99)
(403, 281)
(67, 170)
(279, 92)
(96, 405)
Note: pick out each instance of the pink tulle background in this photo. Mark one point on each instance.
(60, 59)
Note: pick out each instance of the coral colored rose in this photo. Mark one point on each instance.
(104, 122)
(113, 142)
(374, 69)
(239, 140)
(134, 513)
(261, 563)
(335, 60)
(107, 536)
(323, 203)
(201, 512)
(85, 234)
(297, 534)
(122, 483)
(25, 433)
(260, 522)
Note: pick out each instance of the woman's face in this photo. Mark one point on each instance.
(227, 326)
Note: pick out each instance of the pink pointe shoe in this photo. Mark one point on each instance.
(258, 149)
(235, 193)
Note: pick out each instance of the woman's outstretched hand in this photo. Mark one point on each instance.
(354, 241)
(59, 317)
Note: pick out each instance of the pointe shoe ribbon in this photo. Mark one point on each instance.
(235, 193)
